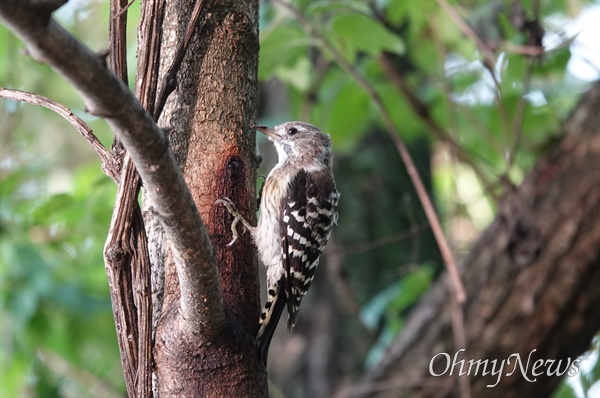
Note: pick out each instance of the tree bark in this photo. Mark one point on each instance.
(211, 114)
(205, 340)
(532, 282)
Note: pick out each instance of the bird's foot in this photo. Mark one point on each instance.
(237, 217)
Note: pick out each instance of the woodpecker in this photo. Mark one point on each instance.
(298, 209)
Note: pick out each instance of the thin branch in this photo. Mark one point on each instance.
(388, 240)
(201, 303)
(531, 51)
(170, 79)
(519, 117)
(489, 62)
(420, 109)
(120, 256)
(460, 341)
(322, 66)
(469, 32)
(118, 38)
(81, 126)
(404, 154)
(75, 373)
(520, 114)
(501, 107)
(390, 385)
(123, 9)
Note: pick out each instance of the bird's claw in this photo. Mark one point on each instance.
(228, 203)
(237, 217)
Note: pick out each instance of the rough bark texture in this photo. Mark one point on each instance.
(532, 284)
(211, 114)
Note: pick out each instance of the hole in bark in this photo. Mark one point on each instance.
(234, 169)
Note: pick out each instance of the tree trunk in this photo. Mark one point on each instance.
(211, 114)
(533, 287)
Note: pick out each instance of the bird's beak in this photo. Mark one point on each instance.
(269, 132)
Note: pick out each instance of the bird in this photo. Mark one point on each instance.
(298, 209)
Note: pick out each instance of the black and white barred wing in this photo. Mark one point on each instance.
(309, 214)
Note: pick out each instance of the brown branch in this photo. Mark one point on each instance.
(532, 275)
(201, 303)
(126, 232)
(124, 6)
(530, 51)
(142, 297)
(148, 57)
(322, 66)
(117, 33)
(488, 55)
(118, 259)
(148, 63)
(389, 385)
(63, 368)
(81, 126)
(421, 110)
(404, 154)
(170, 79)
(388, 240)
(519, 117)
(128, 238)
(489, 62)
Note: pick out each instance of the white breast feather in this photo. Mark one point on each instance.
(267, 236)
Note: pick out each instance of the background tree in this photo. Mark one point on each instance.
(477, 128)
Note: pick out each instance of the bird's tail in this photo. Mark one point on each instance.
(269, 318)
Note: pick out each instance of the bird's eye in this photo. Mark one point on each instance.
(292, 130)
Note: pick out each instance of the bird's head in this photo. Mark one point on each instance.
(299, 141)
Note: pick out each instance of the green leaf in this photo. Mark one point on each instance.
(564, 391)
(413, 286)
(372, 311)
(281, 47)
(297, 75)
(404, 118)
(44, 212)
(355, 32)
(348, 114)
(417, 12)
(324, 6)
(553, 63)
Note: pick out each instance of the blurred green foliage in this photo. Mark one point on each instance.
(58, 336)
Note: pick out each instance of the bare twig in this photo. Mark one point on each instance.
(123, 10)
(404, 154)
(170, 79)
(123, 262)
(469, 32)
(322, 65)
(420, 109)
(531, 51)
(489, 62)
(127, 241)
(460, 341)
(80, 125)
(64, 369)
(368, 389)
(148, 61)
(118, 38)
(201, 303)
(388, 240)
(341, 286)
(519, 116)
